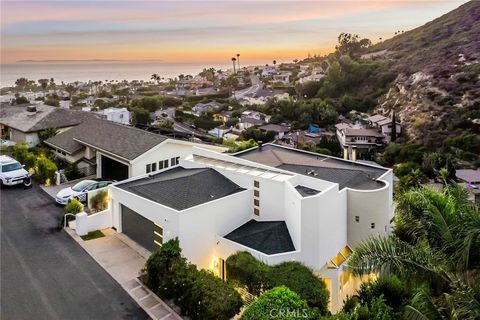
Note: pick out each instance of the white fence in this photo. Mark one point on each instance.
(87, 223)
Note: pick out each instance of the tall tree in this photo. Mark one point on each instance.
(238, 60)
(53, 85)
(21, 84)
(71, 89)
(233, 61)
(44, 84)
(393, 134)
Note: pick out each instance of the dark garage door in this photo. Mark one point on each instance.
(114, 170)
(140, 229)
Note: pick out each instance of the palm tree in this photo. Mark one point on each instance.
(274, 62)
(238, 60)
(53, 85)
(71, 89)
(233, 61)
(44, 84)
(436, 248)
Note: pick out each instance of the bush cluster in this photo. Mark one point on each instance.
(73, 207)
(245, 270)
(199, 293)
(45, 170)
(99, 201)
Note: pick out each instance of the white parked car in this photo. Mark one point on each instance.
(6, 143)
(79, 191)
(13, 173)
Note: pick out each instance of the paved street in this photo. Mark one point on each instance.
(45, 274)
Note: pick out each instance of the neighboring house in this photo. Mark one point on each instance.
(355, 139)
(202, 108)
(268, 71)
(7, 98)
(23, 123)
(165, 113)
(246, 122)
(383, 125)
(206, 91)
(279, 204)
(469, 176)
(120, 152)
(220, 131)
(283, 77)
(118, 115)
(310, 138)
(316, 75)
(65, 104)
(223, 116)
(279, 130)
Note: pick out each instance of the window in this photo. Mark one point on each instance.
(149, 168)
(165, 163)
(158, 235)
(372, 225)
(160, 165)
(256, 184)
(256, 202)
(256, 211)
(154, 166)
(177, 160)
(172, 162)
(256, 193)
(357, 218)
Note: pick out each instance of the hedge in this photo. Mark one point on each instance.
(245, 270)
(281, 303)
(199, 293)
(45, 171)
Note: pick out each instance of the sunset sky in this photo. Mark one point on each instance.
(198, 30)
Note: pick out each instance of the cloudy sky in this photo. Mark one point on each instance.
(199, 30)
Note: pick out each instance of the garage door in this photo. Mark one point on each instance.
(141, 230)
(112, 169)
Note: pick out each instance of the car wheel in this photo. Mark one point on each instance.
(27, 182)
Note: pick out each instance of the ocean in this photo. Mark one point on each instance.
(100, 70)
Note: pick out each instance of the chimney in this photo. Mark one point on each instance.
(260, 143)
(345, 153)
(354, 153)
(31, 110)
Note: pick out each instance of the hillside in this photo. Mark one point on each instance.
(436, 92)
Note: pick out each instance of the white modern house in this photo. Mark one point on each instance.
(118, 115)
(120, 152)
(279, 204)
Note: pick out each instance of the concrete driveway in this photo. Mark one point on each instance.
(45, 274)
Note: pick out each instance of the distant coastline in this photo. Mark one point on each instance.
(86, 60)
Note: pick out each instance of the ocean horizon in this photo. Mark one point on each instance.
(101, 70)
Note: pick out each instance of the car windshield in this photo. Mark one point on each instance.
(81, 185)
(11, 167)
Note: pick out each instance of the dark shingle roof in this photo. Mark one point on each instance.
(345, 173)
(121, 140)
(181, 188)
(306, 191)
(269, 237)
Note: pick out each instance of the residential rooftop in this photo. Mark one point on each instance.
(347, 174)
(44, 117)
(269, 237)
(121, 140)
(181, 188)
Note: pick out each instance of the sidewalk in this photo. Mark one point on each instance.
(123, 259)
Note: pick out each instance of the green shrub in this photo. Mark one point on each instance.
(20, 152)
(244, 270)
(99, 201)
(73, 207)
(393, 290)
(30, 161)
(45, 171)
(199, 293)
(302, 281)
(71, 171)
(279, 302)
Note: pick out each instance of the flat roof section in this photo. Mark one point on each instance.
(181, 188)
(346, 173)
(269, 237)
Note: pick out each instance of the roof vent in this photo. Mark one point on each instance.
(32, 110)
